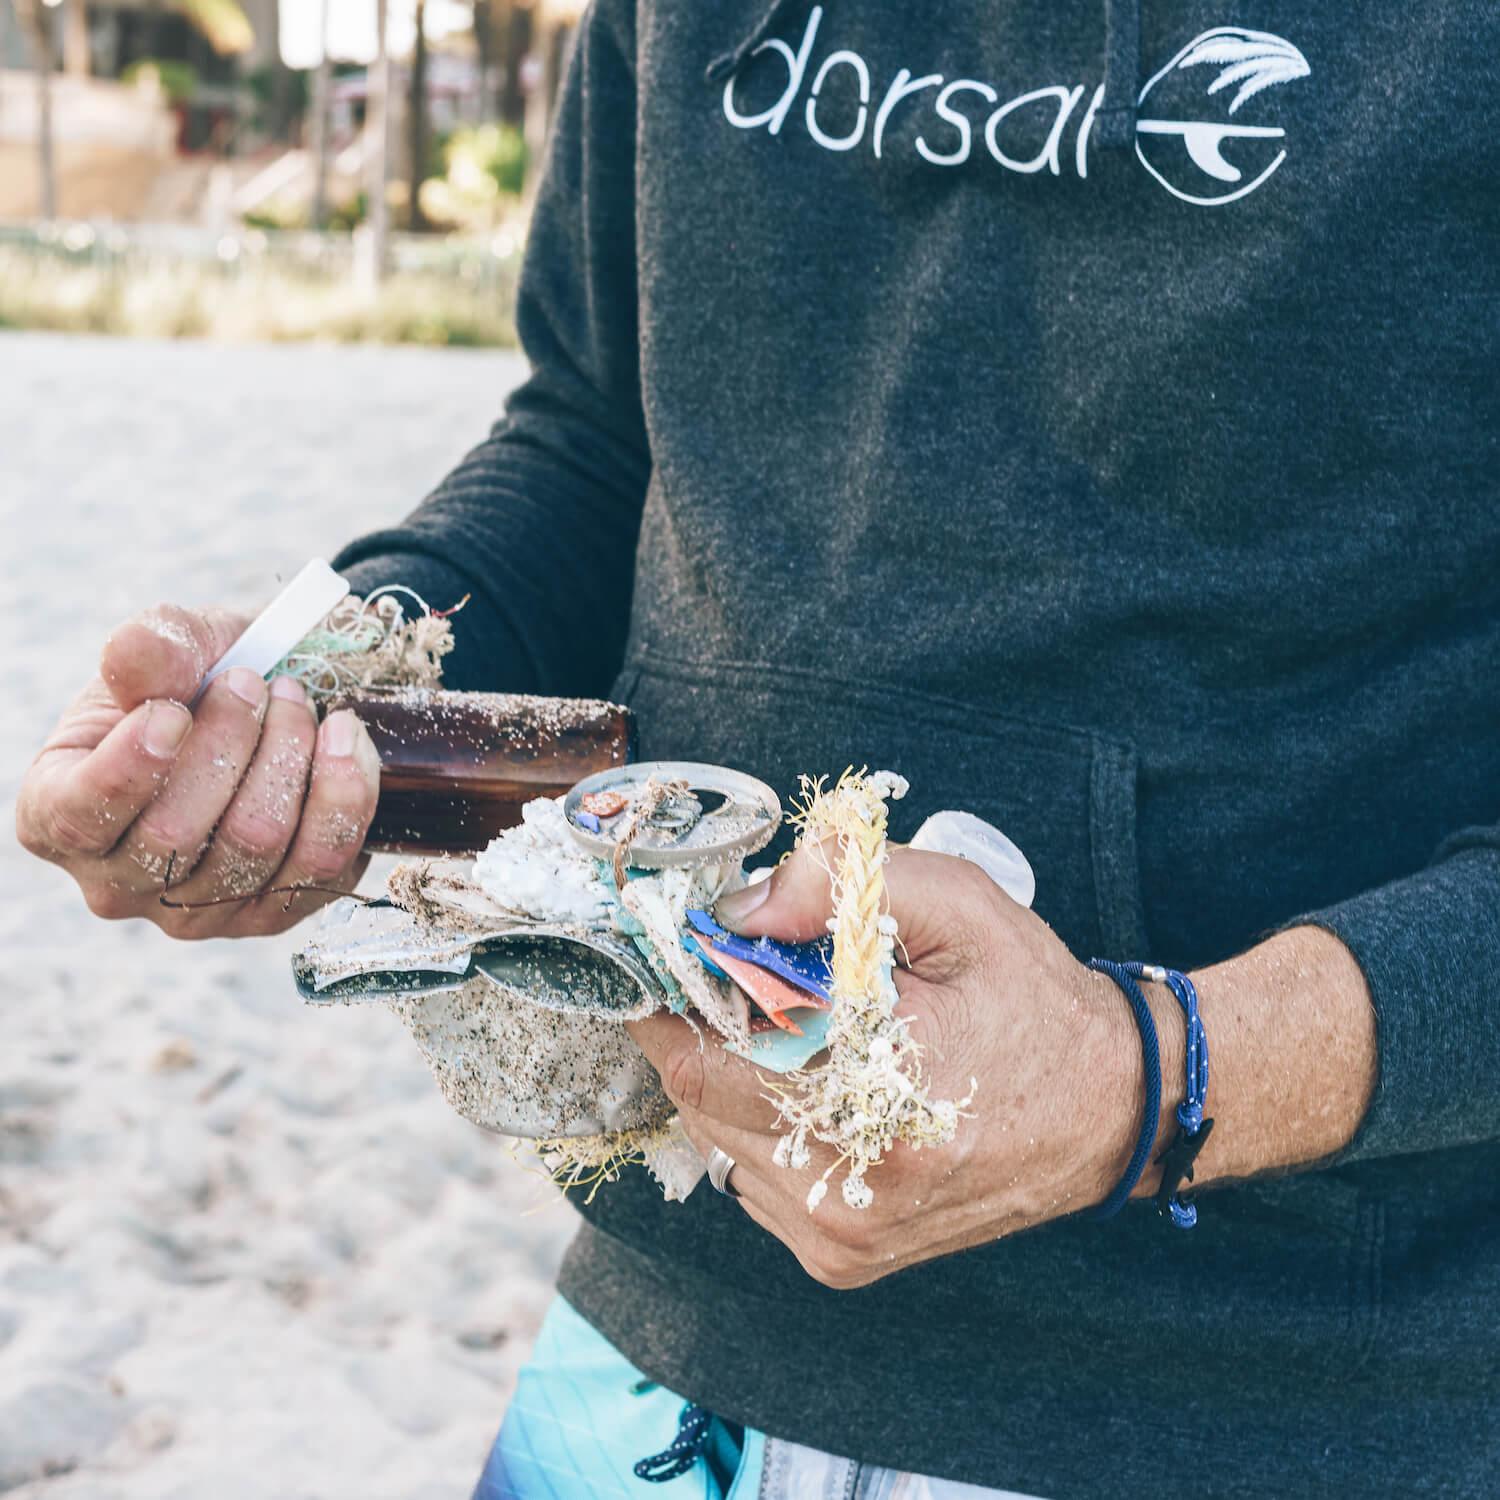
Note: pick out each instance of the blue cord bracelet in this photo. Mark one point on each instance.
(1151, 1058)
(1193, 1129)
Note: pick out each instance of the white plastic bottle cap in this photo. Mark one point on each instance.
(283, 622)
(981, 843)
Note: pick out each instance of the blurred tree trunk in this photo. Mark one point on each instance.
(155, 29)
(514, 27)
(377, 157)
(563, 36)
(484, 52)
(319, 144)
(36, 23)
(416, 119)
(284, 92)
(76, 59)
(551, 42)
(537, 102)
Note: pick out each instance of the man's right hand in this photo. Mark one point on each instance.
(243, 794)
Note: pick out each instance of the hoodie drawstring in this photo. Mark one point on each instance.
(729, 63)
(1115, 125)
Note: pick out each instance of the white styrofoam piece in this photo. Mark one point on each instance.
(981, 843)
(283, 622)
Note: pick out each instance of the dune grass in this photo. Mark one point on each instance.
(164, 297)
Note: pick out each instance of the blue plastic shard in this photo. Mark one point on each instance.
(589, 821)
(809, 966)
(691, 945)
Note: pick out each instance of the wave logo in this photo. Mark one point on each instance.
(1184, 151)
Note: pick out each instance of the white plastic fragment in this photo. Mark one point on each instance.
(674, 1162)
(967, 837)
(278, 628)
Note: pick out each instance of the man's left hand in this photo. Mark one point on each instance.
(995, 997)
(992, 995)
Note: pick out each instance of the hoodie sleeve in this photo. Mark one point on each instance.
(539, 522)
(1429, 945)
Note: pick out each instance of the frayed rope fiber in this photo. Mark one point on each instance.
(371, 644)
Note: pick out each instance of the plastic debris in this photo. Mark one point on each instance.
(808, 966)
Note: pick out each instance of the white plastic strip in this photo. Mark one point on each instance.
(983, 844)
(283, 622)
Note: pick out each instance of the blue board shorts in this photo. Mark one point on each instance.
(583, 1416)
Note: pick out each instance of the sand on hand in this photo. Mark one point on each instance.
(246, 1249)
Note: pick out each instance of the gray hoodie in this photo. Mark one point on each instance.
(1092, 415)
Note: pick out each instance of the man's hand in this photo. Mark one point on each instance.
(242, 794)
(994, 996)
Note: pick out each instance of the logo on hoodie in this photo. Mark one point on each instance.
(1184, 151)
(1190, 133)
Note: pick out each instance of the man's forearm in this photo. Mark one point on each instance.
(1292, 1046)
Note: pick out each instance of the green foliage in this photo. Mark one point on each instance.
(178, 80)
(275, 216)
(351, 213)
(477, 182)
(267, 302)
(477, 156)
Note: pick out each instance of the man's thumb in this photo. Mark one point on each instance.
(924, 892)
(793, 905)
(165, 652)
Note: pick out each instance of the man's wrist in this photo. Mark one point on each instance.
(1292, 1050)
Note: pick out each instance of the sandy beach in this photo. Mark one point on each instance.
(245, 1248)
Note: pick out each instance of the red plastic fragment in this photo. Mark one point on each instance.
(769, 991)
(604, 804)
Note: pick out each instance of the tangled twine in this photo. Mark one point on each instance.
(370, 643)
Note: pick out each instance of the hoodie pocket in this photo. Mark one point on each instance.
(1065, 794)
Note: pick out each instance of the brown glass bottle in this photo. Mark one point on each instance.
(456, 768)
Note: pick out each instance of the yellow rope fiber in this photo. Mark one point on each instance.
(871, 1092)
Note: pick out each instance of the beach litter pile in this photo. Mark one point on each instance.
(516, 972)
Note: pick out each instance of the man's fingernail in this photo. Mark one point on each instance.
(289, 690)
(734, 908)
(249, 687)
(366, 753)
(338, 734)
(166, 727)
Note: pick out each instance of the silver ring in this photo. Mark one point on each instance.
(720, 1165)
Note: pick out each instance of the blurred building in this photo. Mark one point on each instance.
(186, 110)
